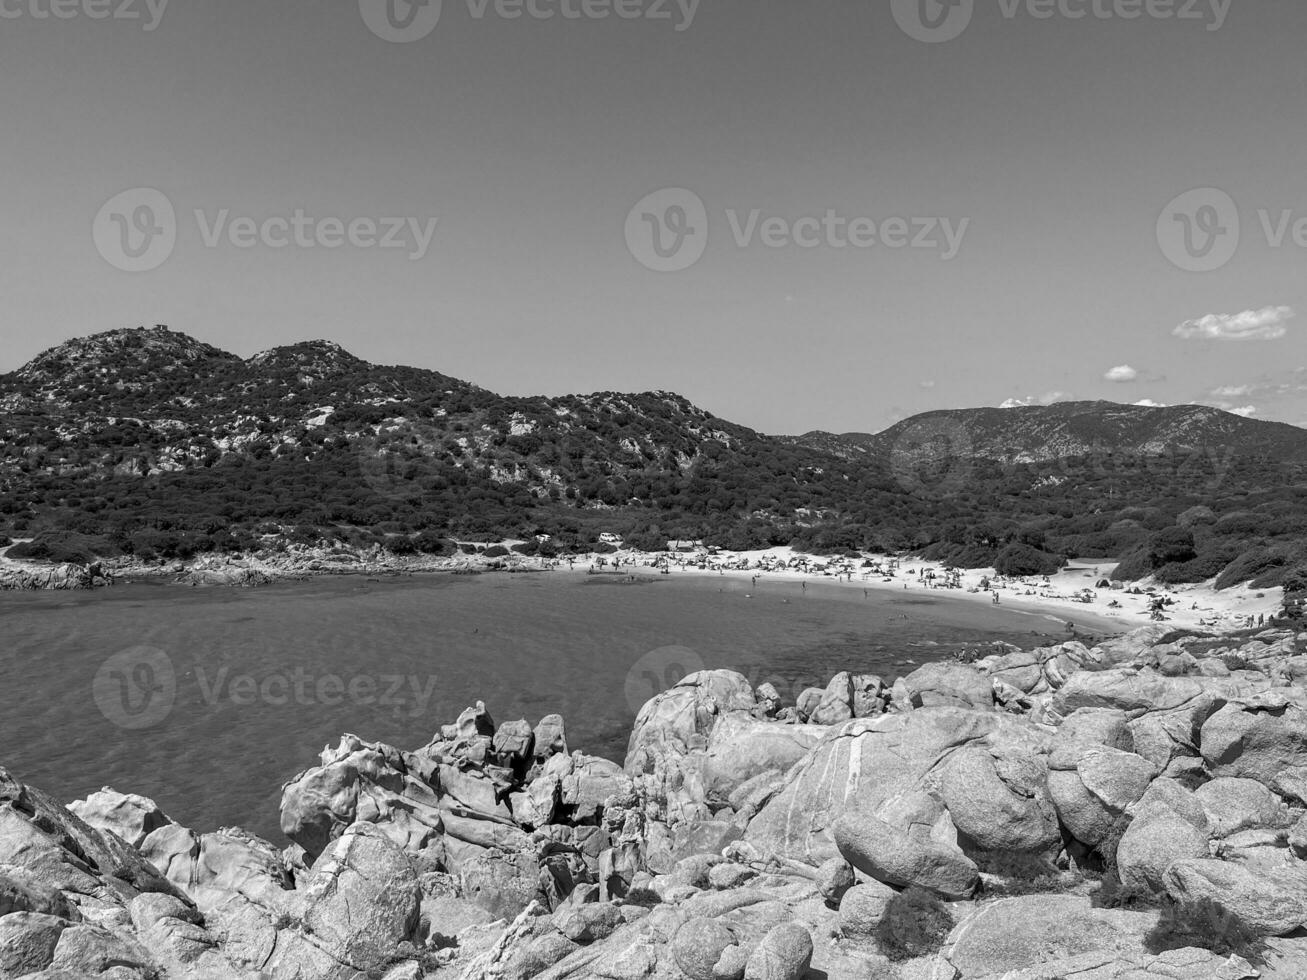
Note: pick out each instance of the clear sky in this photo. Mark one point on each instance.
(1050, 147)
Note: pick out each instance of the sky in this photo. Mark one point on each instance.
(799, 215)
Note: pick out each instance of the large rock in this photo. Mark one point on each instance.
(876, 759)
(131, 817)
(362, 898)
(1017, 933)
(785, 953)
(1263, 739)
(1156, 837)
(210, 868)
(906, 841)
(1000, 802)
(670, 737)
(1234, 804)
(362, 781)
(741, 747)
(1271, 902)
(1091, 786)
(949, 684)
(700, 945)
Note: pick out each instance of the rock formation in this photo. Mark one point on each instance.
(1123, 812)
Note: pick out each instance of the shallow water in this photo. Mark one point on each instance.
(208, 700)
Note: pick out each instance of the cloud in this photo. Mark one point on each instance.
(1047, 398)
(1247, 411)
(1122, 373)
(1149, 403)
(927, 384)
(1264, 324)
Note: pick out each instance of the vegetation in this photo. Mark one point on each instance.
(148, 443)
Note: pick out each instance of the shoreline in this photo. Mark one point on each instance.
(1056, 599)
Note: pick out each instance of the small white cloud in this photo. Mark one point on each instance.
(1047, 398)
(1233, 391)
(1247, 411)
(1264, 324)
(927, 384)
(1122, 373)
(1149, 403)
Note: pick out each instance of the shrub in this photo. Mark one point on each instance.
(496, 551)
(1021, 559)
(915, 923)
(1207, 925)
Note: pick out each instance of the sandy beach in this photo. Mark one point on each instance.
(1060, 597)
(1072, 596)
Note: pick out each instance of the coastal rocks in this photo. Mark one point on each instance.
(1157, 836)
(863, 907)
(28, 941)
(211, 868)
(874, 759)
(850, 696)
(907, 841)
(1234, 804)
(671, 734)
(362, 898)
(59, 578)
(1001, 802)
(1261, 738)
(1019, 933)
(50, 848)
(948, 685)
(361, 781)
(1270, 902)
(742, 748)
(785, 953)
(1091, 786)
(131, 817)
(703, 948)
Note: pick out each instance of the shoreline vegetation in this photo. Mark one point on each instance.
(1081, 595)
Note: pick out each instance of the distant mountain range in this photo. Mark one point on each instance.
(151, 434)
(1070, 429)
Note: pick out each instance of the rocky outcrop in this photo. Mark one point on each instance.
(743, 838)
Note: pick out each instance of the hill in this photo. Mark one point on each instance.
(152, 443)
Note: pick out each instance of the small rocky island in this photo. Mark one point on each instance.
(1132, 811)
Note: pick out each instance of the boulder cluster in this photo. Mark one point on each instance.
(1129, 811)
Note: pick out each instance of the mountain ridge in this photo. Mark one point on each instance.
(150, 439)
